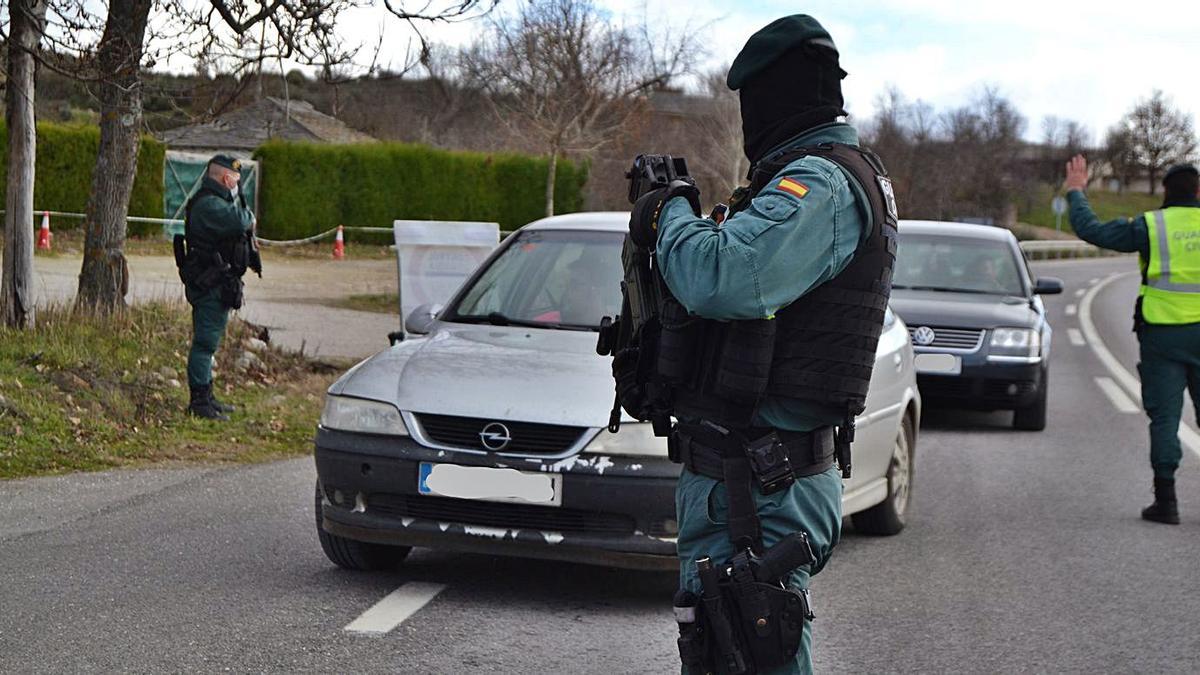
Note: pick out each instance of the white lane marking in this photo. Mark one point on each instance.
(1093, 282)
(1117, 395)
(1079, 292)
(393, 609)
(1076, 337)
(1071, 309)
(1187, 435)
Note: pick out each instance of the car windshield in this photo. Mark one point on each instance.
(548, 279)
(956, 265)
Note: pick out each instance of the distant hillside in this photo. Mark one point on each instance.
(1107, 205)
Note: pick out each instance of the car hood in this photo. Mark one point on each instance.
(497, 372)
(961, 310)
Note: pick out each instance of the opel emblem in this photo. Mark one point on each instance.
(924, 336)
(495, 436)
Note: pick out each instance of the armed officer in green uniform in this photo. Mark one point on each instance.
(213, 254)
(782, 306)
(1167, 314)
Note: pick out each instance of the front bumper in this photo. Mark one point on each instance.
(985, 386)
(615, 511)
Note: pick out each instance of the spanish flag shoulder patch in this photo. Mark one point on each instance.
(793, 187)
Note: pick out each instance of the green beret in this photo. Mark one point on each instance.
(227, 162)
(772, 42)
(1179, 168)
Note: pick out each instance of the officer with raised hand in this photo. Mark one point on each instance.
(1167, 313)
(213, 254)
(782, 306)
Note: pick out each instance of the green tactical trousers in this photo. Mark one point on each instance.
(813, 504)
(209, 317)
(1170, 363)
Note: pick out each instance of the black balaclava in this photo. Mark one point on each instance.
(798, 91)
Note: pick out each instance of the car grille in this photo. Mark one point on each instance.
(500, 514)
(527, 437)
(950, 338)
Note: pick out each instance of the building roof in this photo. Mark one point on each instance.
(267, 119)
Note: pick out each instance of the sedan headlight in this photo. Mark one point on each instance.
(362, 416)
(1022, 342)
(633, 440)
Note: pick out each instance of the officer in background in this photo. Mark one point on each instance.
(213, 255)
(1167, 313)
(784, 304)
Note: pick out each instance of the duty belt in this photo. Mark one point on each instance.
(703, 450)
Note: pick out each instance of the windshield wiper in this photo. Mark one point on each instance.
(945, 289)
(501, 319)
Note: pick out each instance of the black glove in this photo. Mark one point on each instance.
(643, 219)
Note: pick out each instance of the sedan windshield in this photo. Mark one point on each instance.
(549, 279)
(956, 265)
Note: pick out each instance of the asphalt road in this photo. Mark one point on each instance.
(1024, 553)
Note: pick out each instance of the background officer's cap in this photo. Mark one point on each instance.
(1178, 169)
(772, 42)
(227, 162)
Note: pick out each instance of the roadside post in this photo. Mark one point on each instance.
(1059, 206)
(434, 258)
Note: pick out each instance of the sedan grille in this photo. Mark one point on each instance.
(946, 338)
(500, 514)
(523, 437)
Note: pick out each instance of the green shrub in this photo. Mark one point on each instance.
(66, 158)
(309, 188)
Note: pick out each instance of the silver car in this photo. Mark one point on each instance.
(486, 432)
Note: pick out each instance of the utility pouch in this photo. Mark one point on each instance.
(677, 345)
(770, 464)
(744, 368)
(231, 293)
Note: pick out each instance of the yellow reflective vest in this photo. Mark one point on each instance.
(1171, 275)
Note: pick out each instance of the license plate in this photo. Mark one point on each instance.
(490, 484)
(938, 364)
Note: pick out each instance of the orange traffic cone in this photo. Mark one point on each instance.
(339, 245)
(44, 235)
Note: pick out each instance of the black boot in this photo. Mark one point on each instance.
(201, 404)
(1165, 508)
(221, 407)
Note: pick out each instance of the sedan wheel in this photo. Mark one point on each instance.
(887, 517)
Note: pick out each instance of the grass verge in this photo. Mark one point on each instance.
(80, 393)
(384, 303)
(1107, 205)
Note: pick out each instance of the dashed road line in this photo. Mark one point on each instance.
(1079, 292)
(1071, 309)
(1116, 395)
(1076, 337)
(394, 608)
(1187, 436)
(1093, 281)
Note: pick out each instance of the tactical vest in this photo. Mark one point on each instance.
(820, 348)
(1170, 292)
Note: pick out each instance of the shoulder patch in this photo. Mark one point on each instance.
(792, 187)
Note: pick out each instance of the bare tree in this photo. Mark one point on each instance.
(722, 126)
(1119, 153)
(1161, 135)
(569, 75)
(26, 23)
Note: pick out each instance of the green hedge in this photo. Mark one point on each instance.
(66, 158)
(308, 188)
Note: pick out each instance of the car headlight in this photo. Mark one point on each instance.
(1016, 342)
(633, 440)
(362, 416)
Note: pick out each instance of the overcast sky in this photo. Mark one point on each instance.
(1088, 61)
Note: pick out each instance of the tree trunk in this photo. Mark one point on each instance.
(551, 171)
(26, 21)
(104, 280)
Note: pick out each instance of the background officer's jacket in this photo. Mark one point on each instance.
(215, 218)
(767, 256)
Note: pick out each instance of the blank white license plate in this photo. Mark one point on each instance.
(490, 484)
(938, 364)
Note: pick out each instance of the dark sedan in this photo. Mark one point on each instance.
(977, 322)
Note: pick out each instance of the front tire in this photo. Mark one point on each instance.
(357, 555)
(888, 517)
(1033, 417)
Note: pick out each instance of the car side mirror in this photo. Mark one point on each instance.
(420, 321)
(1048, 286)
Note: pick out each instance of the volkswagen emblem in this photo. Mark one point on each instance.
(924, 336)
(495, 437)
